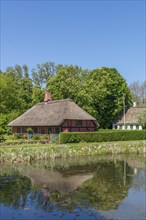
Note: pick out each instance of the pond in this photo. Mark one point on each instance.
(102, 188)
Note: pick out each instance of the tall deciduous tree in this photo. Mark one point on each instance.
(25, 92)
(142, 119)
(42, 72)
(37, 95)
(10, 103)
(25, 71)
(107, 87)
(19, 71)
(69, 83)
(16, 96)
(138, 90)
(9, 84)
(99, 92)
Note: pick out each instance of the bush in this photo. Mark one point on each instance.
(2, 139)
(54, 138)
(17, 136)
(8, 131)
(110, 135)
(36, 137)
(44, 137)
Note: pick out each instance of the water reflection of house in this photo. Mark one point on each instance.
(139, 180)
(53, 180)
(136, 164)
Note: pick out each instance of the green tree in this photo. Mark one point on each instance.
(106, 87)
(25, 93)
(19, 71)
(9, 86)
(142, 119)
(42, 73)
(25, 71)
(65, 83)
(138, 90)
(37, 95)
(99, 92)
(69, 82)
(10, 104)
(16, 96)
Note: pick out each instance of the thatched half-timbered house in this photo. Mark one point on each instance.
(54, 117)
(129, 120)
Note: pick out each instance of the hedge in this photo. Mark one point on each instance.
(110, 135)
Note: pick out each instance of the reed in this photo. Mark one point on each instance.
(28, 153)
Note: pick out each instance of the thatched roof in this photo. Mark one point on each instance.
(131, 116)
(52, 113)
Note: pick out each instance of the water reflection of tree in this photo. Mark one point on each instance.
(107, 190)
(14, 190)
(104, 191)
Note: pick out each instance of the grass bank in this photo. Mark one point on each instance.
(32, 152)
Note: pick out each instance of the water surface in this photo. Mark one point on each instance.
(104, 187)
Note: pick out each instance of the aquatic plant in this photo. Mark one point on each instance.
(28, 153)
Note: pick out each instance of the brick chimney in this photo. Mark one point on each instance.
(47, 97)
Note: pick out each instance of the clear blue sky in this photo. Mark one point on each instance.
(90, 34)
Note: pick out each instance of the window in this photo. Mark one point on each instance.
(35, 130)
(23, 130)
(88, 123)
(57, 130)
(49, 130)
(42, 131)
(137, 127)
(79, 123)
(18, 130)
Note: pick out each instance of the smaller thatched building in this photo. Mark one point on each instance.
(52, 117)
(129, 120)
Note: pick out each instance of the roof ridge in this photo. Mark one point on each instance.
(55, 101)
(139, 107)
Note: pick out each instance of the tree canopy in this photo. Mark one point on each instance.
(99, 92)
(16, 96)
(42, 73)
(138, 91)
(142, 119)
